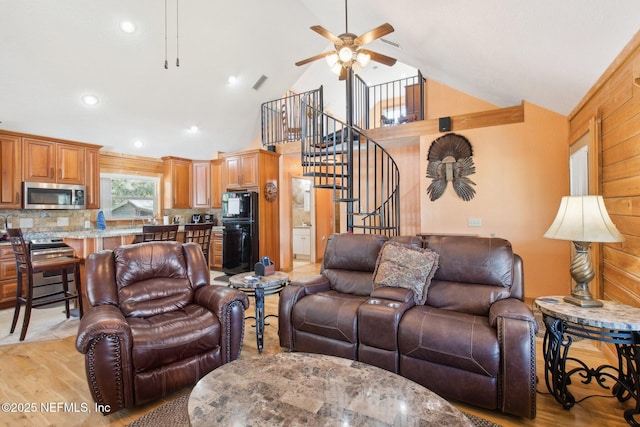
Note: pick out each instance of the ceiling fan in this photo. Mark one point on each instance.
(348, 50)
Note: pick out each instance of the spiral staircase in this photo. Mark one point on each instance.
(339, 156)
(360, 172)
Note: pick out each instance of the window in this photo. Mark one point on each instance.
(129, 196)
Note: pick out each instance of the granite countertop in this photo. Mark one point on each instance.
(92, 233)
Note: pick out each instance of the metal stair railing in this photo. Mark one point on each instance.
(281, 118)
(365, 177)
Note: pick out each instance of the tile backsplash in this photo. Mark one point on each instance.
(37, 220)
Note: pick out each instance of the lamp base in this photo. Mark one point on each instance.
(585, 303)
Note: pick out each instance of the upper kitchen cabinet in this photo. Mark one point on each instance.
(11, 167)
(201, 184)
(241, 170)
(177, 180)
(48, 161)
(92, 178)
(217, 184)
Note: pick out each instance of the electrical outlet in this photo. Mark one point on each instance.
(63, 221)
(474, 222)
(26, 222)
(87, 224)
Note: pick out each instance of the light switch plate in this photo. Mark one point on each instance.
(63, 221)
(474, 222)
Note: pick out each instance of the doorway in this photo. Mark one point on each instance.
(302, 221)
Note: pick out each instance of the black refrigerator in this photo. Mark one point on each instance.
(240, 249)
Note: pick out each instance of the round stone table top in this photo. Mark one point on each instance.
(302, 389)
(612, 315)
(251, 281)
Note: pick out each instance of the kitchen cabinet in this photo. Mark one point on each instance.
(11, 176)
(92, 178)
(8, 277)
(49, 161)
(301, 242)
(258, 170)
(201, 184)
(215, 253)
(177, 180)
(241, 170)
(217, 183)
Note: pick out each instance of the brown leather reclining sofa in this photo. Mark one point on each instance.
(156, 324)
(473, 340)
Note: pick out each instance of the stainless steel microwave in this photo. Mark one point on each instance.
(43, 195)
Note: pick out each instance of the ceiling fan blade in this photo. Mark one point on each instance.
(376, 33)
(378, 57)
(327, 34)
(313, 58)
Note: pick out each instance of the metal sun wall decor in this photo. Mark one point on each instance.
(450, 160)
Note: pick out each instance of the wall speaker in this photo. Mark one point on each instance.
(444, 124)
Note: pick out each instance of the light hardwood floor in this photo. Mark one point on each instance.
(52, 373)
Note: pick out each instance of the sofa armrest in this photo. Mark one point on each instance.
(313, 284)
(289, 297)
(228, 305)
(105, 338)
(516, 329)
(511, 308)
(402, 295)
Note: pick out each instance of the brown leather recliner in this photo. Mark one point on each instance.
(320, 313)
(473, 340)
(156, 325)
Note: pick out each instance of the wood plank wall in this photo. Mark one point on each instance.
(614, 102)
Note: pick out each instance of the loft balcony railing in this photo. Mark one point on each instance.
(282, 118)
(388, 104)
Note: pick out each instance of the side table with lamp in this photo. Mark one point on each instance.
(583, 220)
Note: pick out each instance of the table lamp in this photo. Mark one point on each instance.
(582, 220)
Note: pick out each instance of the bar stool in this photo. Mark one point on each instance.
(27, 268)
(152, 233)
(201, 234)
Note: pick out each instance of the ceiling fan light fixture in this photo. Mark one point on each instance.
(363, 59)
(346, 54)
(337, 68)
(332, 59)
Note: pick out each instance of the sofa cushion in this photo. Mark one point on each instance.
(405, 266)
(349, 261)
(329, 314)
(448, 338)
(166, 338)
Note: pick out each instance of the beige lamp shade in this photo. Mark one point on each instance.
(583, 219)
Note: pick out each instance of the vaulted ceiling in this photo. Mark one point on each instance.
(548, 52)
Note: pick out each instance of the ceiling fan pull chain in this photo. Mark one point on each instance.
(177, 33)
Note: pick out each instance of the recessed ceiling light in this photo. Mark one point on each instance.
(193, 129)
(232, 79)
(137, 143)
(127, 26)
(90, 99)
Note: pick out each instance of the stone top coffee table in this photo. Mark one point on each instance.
(302, 389)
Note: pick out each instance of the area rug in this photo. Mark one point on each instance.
(175, 414)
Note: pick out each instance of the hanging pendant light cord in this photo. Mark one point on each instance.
(177, 33)
(166, 63)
